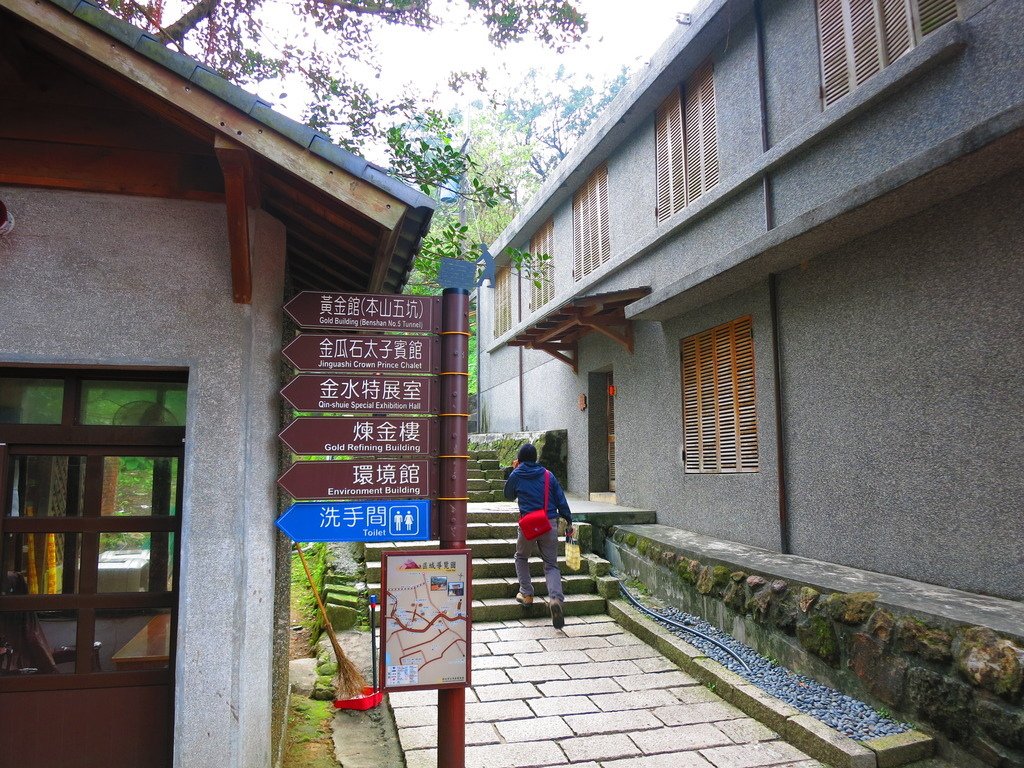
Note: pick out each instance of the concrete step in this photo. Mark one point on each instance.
(503, 530)
(480, 547)
(493, 517)
(509, 609)
(500, 567)
(501, 589)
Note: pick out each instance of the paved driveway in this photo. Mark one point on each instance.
(592, 696)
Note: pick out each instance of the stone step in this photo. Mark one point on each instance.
(480, 547)
(480, 484)
(495, 474)
(493, 517)
(488, 464)
(509, 609)
(483, 453)
(507, 588)
(503, 530)
(475, 474)
(504, 567)
(476, 497)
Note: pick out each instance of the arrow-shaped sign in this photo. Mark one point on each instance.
(388, 436)
(357, 521)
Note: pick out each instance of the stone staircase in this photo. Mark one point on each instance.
(485, 478)
(491, 535)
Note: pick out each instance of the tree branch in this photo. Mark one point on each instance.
(201, 10)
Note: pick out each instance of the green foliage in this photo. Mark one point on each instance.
(302, 594)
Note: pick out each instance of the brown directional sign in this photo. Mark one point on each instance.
(365, 479)
(342, 392)
(365, 353)
(365, 312)
(399, 436)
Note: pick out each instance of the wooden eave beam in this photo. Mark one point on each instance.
(572, 359)
(173, 95)
(625, 338)
(356, 227)
(382, 257)
(236, 166)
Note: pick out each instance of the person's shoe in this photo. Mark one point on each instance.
(524, 599)
(557, 615)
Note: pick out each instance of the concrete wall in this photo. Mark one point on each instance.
(92, 279)
(901, 359)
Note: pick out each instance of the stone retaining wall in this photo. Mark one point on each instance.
(961, 681)
(552, 448)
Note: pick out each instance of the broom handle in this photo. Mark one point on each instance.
(319, 602)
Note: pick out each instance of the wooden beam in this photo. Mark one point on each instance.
(174, 94)
(572, 361)
(624, 338)
(237, 170)
(108, 169)
(382, 257)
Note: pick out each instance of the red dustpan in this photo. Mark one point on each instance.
(368, 700)
(370, 697)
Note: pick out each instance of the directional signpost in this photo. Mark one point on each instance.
(327, 435)
(365, 312)
(363, 353)
(376, 479)
(341, 392)
(386, 363)
(357, 521)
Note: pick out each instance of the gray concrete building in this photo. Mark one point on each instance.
(161, 217)
(784, 302)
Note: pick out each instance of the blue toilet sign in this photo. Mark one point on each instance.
(315, 521)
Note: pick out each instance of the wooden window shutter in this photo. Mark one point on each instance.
(719, 413)
(592, 244)
(859, 38)
(543, 243)
(669, 166)
(932, 14)
(700, 134)
(503, 302)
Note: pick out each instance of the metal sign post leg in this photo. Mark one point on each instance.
(452, 496)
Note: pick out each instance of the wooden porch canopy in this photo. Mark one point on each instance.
(559, 332)
(94, 104)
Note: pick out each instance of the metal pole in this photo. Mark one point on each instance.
(451, 702)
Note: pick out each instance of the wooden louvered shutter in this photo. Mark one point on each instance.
(932, 14)
(899, 28)
(835, 59)
(543, 243)
(670, 168)
(590, 223)
(502, 302)
(861, 37)
(700, 131)
(719, 413)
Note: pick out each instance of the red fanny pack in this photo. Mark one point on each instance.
(536, 523)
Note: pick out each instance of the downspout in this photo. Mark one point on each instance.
(773, 290)
(519, 319)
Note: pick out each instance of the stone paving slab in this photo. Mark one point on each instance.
(593, 696)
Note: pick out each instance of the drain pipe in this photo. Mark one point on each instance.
(773, 289)
(519, 319)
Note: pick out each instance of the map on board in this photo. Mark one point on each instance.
(425, 619)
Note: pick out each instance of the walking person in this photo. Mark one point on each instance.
(526, 485)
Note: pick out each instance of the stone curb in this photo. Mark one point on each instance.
(805, 732)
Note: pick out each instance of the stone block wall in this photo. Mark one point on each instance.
(962, 682)
(552, 448)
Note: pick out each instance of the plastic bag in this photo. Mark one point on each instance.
(572, 553)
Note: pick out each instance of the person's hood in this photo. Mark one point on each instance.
(531, 469)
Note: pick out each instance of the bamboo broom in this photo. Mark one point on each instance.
(350, 680)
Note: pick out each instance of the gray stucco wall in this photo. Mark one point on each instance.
(94, 279)
(901, 356)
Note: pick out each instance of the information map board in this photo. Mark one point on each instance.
(425, 623)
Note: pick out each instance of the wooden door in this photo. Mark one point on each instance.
(611, 433)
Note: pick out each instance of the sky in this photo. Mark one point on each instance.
(423, 61)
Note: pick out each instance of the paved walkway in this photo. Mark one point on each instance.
(591, 696)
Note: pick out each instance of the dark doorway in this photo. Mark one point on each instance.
(601, 431)
(91, 472)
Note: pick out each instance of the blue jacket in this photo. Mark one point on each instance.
(526, 485)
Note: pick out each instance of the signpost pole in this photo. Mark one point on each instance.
(452, 493)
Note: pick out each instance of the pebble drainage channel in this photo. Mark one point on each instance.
(837, 710)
